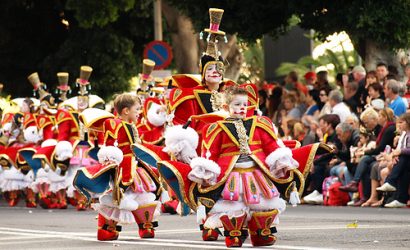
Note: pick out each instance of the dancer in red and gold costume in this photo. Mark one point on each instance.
(54, 156)
(242, 171)
(133, 193)
(18, 177)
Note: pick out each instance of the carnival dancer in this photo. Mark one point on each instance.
(242, 171)
(53, 158)
(193, 98)
(72, 109)
(151, 124)
(44, 120)
(132, 196)
(147, 81)
(63, 89)
(17, 176)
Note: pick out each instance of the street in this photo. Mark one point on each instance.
(302, 227)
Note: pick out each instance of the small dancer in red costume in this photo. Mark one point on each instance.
(131, 195)
(236, 178)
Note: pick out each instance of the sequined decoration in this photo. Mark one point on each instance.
(214, 100)
(243, 138)
(135, 133)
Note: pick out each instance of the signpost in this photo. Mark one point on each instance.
(160, 52)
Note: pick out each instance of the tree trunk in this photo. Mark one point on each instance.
(184, 40)
(186, 45)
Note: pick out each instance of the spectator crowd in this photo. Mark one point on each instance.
(364, 116)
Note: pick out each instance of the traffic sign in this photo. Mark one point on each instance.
(160, 52)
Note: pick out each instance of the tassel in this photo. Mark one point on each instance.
(200, 214)
(164, 196)
(294, 196)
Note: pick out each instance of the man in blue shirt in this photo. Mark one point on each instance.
(396, 102)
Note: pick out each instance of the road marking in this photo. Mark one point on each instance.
(150, 242)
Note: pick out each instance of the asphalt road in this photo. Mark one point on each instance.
(303, 227)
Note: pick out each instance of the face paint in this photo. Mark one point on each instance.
(212, 74)
(238, 106)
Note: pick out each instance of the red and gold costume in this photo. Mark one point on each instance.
(134, 189)
(244, 157)
(152, 126)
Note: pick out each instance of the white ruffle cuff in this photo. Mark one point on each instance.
(281, 161)
(204, 171)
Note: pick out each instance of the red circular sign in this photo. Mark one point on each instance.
(160, 52)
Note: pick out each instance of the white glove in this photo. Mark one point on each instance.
(187, 153)
(204, 171)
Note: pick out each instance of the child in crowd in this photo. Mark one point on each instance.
(365, 143)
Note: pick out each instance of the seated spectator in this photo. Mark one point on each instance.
(359, 76)
(349, 137)
(362, 172)
(322, 80)
(310, 79)
(353, 121)
(326, 134)
(398, 179)
(394, 100)
(263, 96)
(311, 125)
(338, 106)
(381, 170)
(311, 100)
(375, 91)
(371, 77)
(352, 96)
(382, 72)
(324, 104)
(366, 143)
(274, 104)
(292, 130)
(290, 109)
(299, 131)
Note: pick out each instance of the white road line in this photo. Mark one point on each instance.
(31, 242)
(21, 237)
(147, 242)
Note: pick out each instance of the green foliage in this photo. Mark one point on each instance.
(337, 62)
(101, 33)
(253, 69)
(382, 22)
(110, 55)
(250, 19)
(99, 13)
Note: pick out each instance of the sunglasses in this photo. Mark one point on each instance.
(322, 95)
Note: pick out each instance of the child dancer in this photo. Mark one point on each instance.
(131, 197)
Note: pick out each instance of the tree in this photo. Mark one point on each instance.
(50, 36)
(376, 28)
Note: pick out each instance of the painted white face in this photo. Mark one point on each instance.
(212, 75)
(238, 106)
